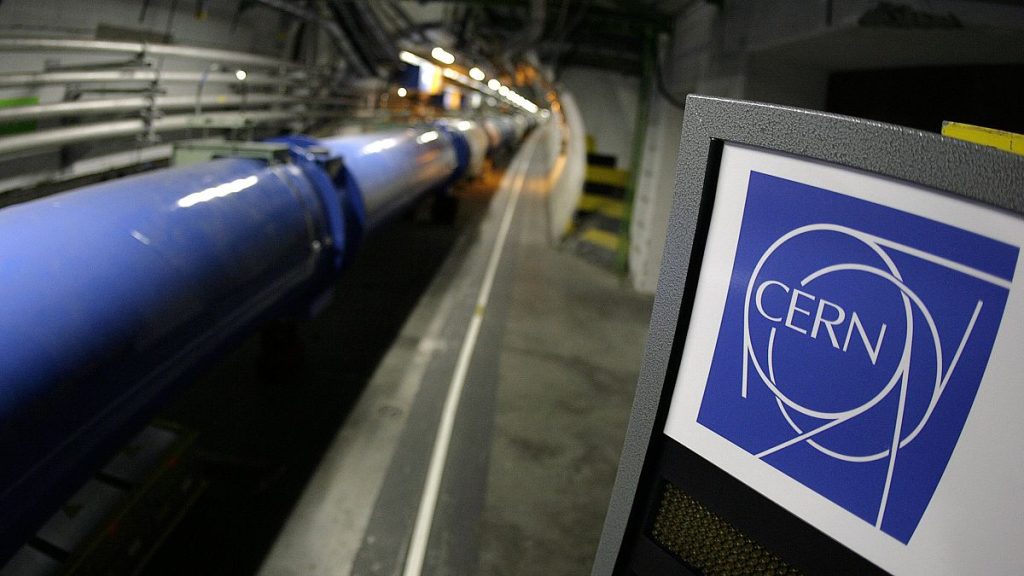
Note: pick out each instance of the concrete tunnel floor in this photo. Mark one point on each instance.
(315, 437)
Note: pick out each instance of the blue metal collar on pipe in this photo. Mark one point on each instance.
(390, 170)
(463, 153)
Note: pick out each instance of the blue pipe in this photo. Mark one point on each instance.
(390, 170)
(115, 292)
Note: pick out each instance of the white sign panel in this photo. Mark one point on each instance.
(854, 354)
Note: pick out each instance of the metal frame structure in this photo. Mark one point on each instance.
(127, 100)
(984, 175)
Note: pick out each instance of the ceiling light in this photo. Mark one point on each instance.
(477, 74)
(442, 55)
(410, 58)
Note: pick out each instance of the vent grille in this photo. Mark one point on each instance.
(708, 543)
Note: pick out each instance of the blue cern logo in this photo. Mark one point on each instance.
(853, 342)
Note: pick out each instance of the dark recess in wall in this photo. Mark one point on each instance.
(923, 97)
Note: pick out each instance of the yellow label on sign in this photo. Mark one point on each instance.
(1006, 141)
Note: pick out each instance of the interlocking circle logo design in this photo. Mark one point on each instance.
(853, 342)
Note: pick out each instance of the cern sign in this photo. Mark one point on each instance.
(852, 345)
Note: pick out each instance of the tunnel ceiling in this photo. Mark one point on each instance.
(608, 34)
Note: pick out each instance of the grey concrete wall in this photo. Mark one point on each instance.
(608, 104)
(257, 31)
(782, 52)
(653, 198)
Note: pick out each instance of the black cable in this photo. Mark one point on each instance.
(335, 9)
(568, 31)
(393, 25)
(406, 20)
(460, 43)
(563, 16)
(659, 82)
(386, 48)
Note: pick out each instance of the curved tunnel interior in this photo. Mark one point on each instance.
(345, 287)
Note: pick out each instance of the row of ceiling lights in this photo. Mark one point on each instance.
(474, 80)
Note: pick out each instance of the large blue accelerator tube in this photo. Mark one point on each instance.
(112, 294)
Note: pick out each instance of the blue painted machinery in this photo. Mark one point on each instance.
(114, 293)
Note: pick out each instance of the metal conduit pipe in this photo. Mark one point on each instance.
(134, 75)
(74, 134)
(116, 292)
(190, 52)
(102, 164)
(115, 105)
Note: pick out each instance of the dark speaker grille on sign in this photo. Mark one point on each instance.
(708, 543)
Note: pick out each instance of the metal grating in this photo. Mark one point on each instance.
(708, 543)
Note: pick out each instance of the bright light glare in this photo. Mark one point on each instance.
(451, 74)
(504, 91)
(379, 145)
(427, 137)
(442, 55)
(218, 191)
(409, 58)
(464, 125)
(493, 84)
(402, 92)
(477, 74)
(240, 74)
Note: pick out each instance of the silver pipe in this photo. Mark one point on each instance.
(74, 134)
(89, 167)
(70, 135)
(110, 106)
(75, 45)
(45, 78)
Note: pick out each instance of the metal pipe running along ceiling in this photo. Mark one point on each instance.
(115, 293)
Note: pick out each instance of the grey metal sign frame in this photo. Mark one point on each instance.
(978, 173)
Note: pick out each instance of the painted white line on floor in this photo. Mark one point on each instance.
(357, 462)
(432, 486)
